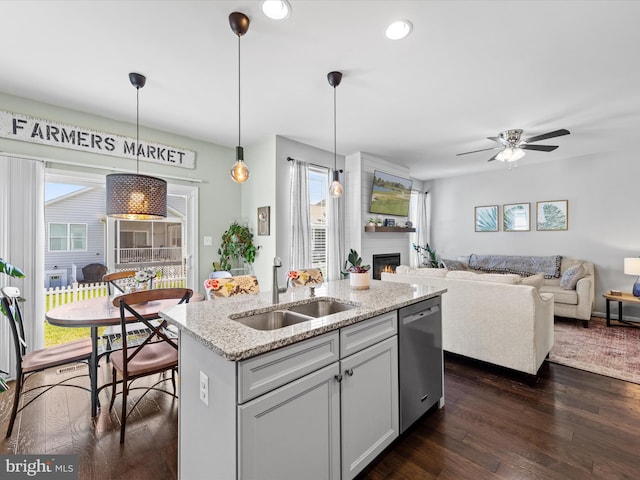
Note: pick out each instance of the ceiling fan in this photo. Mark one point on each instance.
(513, 146)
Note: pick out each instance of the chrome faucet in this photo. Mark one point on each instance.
(275, 292)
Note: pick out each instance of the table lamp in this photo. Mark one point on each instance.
(632, 267)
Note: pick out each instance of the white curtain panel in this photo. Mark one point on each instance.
(335, 235)
(300, 232)
(22, 233)
(419, 214)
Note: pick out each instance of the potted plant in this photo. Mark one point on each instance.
(358, 273)
(237, 246)
(429, 257)
(12, 271)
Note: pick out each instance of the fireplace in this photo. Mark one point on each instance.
(386, 262)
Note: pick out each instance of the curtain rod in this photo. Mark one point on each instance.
(92, 167)
(289, 159)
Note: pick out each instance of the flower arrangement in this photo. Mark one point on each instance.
(145, 275)
(353, 264)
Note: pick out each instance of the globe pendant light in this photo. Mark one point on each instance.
(335, 190)
(239, 23)
(134, 196)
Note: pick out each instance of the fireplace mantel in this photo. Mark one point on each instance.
(377, 228)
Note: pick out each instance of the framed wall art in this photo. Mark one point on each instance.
(552, 215)
(516, 217)
(486, 218)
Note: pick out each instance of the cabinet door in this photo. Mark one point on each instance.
(292, 432)
(369, 402)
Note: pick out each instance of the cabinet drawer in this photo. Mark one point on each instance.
(364, 334)
(271, 370)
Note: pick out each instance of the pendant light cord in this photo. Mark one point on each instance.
(239, 143)
(335, 164)
(137, 130)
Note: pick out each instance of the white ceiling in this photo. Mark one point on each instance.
(469, 69)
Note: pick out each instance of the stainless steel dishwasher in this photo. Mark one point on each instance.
(420, 362)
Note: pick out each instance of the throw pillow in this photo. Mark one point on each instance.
(571, 276)
(536, 280)
(453, 265)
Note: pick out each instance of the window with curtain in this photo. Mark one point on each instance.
(318, 187)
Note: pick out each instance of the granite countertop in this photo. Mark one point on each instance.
(211, 322)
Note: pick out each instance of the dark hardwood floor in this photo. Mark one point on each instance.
(572, 425)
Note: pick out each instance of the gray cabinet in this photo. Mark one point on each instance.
(292, 432)
(328, 424)
(369, 404)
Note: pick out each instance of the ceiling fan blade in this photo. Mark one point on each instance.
(499, 140)
(494, 157)
(541, 148)
(476, 151)
(544, 136)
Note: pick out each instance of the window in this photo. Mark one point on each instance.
(318, 188)
(67, 237)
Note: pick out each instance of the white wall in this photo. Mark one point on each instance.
(219, 196)
(260, 191)
(603, 225)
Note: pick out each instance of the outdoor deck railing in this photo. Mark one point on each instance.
(146, 255)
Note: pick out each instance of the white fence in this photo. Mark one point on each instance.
(75, 292)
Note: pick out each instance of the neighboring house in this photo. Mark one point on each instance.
(76, 234)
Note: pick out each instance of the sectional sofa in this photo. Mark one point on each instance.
(490, 317)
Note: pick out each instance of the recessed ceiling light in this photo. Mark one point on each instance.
(399, 29)
(276, 9)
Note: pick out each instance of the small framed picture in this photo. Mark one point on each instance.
(552, 215)
(516, 217)
(486, 218)
(264, 220)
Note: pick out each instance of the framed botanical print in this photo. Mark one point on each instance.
(552, 215)
(516, 217)
(486, 218)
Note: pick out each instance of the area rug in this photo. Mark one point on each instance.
(612, 351)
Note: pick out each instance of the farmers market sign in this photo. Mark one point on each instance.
(45, 132)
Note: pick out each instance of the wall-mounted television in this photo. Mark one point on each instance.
(390, 195)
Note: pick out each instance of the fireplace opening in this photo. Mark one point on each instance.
(386, 262)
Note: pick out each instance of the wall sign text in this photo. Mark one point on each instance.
(25, 128)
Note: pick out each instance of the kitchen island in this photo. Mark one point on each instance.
(317, 399)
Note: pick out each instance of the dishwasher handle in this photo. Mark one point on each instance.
(421, 315)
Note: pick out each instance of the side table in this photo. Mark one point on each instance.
(622, 298)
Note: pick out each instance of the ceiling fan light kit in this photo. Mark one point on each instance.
(514, 146)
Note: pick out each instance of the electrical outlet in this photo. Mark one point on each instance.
(204, 388)
(207, 241)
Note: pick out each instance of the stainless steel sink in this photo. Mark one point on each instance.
(321, 308)
(273, 320)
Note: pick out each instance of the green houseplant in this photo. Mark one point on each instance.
(358, 273)
(237, 245)
(12, 271)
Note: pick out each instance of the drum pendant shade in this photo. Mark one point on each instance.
(133, 196)
(136, 197)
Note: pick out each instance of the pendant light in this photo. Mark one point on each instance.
(134, 196)
(335, 190)
(239, 23)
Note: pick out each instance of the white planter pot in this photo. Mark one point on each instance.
(359, 281)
